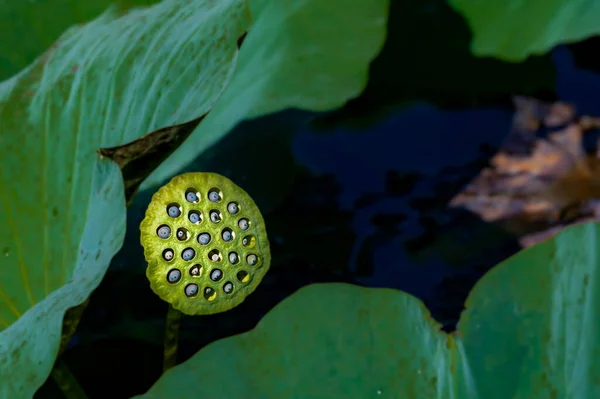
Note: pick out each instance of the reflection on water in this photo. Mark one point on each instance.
(396, 180)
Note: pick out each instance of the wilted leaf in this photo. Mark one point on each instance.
(535, 183)
(343, 341)
(140, 157)
(515, 29)
(306, 55)
(62, 206)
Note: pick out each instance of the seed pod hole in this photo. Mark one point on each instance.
(195, 217)
(243, 276)
(214, 255)
(163, 231)
(233, 258)
(216, 274)
(196, 271)
(244, 224)
(215, 195)
(174, 210)
(249, 241)
(182, 234)
(227, 235)
(203, 238)
(188, 254)
(173, 276)
(252, 259)
(209, 294)
(191, 290)
(228, 287)
(168, 254)
(233, 208)
(215, 216)
(192, 195)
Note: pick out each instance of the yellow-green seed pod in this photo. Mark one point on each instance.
(205, 243)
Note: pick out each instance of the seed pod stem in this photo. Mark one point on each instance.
(173, 322)
(67, 383)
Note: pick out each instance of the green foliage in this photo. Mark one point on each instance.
(62, 206)
(530, 330)
(515, 29)
(299, 54)
(531, 326)
(427, 57)
(28, 28)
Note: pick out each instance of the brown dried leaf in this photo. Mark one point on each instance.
(539, 184)
(140, 157)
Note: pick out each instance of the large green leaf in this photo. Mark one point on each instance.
(437, 67)
(28, 28)
(515, 29)
(531, 330)
(310, 54)
(62, 206)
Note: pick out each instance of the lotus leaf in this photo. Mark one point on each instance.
(62, 206)
(515, 29)
(530, 330)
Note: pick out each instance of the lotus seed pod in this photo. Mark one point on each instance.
(205, 243)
